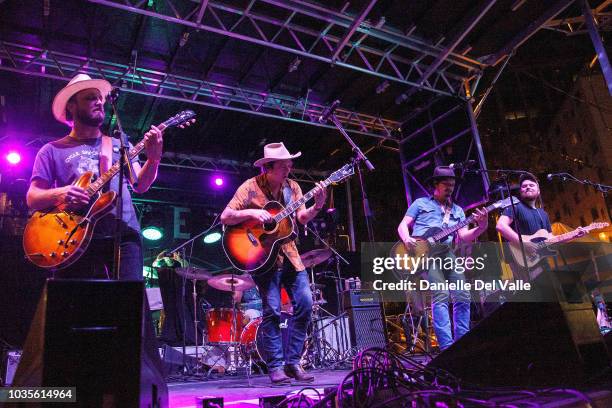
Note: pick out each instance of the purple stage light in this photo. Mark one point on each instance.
(218, 181)
(13, 158)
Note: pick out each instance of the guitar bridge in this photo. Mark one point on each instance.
(252, 238)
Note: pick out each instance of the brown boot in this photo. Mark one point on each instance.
(277, 376)
(296, 371)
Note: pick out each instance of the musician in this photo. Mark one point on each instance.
(530, 219)
(80, 105)
(247, 204)
(439, 211)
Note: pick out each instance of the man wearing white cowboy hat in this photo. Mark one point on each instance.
(439, 211)
(80, 105)
(247, 204)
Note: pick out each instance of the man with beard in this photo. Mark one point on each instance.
(59, 163)
(530, 220)
(439, 211)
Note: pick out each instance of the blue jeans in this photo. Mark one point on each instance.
(298, 289)
(439, 304)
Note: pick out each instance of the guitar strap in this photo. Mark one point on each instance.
(106, 154)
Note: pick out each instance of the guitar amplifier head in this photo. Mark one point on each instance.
(360, 298)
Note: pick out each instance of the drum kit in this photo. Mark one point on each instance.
(231, 337)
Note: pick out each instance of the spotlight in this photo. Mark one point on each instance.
(212, 238)
(13, 158)
(153, 233)
(218, 181)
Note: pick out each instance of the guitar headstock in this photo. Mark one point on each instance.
(506, 202)
(344, 172)
(182, 119)
(596, 226)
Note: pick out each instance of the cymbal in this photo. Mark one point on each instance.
(229, 282)
(317, 285)
(194, 273)
(315, 257)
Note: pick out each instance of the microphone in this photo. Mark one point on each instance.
(327, 112)
(462, 165)
(550, 176)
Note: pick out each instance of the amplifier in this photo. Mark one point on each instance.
(360, 298)
(366, 318)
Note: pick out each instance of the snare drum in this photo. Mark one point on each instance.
(220, 325)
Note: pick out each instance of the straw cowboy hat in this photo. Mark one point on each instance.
(275, 151)
(76, 84)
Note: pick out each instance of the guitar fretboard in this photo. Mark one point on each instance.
(445, 232)
(292, 207)
(114, 169)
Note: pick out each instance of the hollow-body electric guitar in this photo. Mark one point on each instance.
(57, 237)
(430, 243)
(253, 247)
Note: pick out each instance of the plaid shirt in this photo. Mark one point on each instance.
(254, 193)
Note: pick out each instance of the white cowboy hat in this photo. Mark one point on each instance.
(76, 84)
(275, 151)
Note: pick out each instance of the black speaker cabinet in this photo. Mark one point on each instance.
(366, 318)
(88, 334)
(544, 343)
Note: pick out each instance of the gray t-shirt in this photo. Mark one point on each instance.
(62, 161)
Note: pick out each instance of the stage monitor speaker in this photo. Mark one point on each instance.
(366, 318)
(552, 343)
(88, 334)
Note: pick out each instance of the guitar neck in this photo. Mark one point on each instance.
(106, 177)
(291, 208)
(445, 232)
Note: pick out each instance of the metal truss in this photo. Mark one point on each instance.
(47, 63)
(377, 50)
(181, 161)
(578, 25)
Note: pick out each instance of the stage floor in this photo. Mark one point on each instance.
(240, 392)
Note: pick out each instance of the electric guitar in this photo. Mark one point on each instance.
(542, 244)
(57, 237)
(253, 247)
(430, 243)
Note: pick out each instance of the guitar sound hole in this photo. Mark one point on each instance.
(269, 226)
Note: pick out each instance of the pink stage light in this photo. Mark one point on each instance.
(13, 158)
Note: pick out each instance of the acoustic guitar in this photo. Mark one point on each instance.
(252, 246)
(57, 237)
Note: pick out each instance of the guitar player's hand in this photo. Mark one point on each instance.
(260, 215)
(154, 143)
(410, 242)
(72, 196)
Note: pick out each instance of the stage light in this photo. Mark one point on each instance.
(153, 233)
(603, 236)
(212, 238)
(218, 181)
(13, 158)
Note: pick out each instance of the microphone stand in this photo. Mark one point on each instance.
(503, 174)
(602, 188)
(359, 157)
(124, 165)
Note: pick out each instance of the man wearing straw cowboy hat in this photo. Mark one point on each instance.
(247, 204)
(439, 211)
(80, 105)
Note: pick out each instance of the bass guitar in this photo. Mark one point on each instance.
(253, 247)
(541, 244)
(57, 237)
(431, 241)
